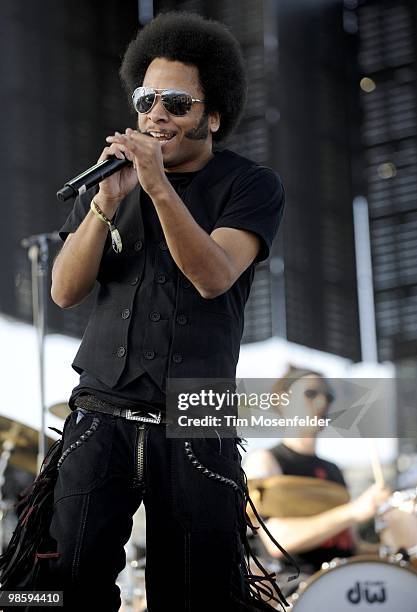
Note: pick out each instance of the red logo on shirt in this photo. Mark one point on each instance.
(320, 472)
(343, 540)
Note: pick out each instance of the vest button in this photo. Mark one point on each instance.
(160, 278)
(155, 316)
(121, 351)
(181, 319)
(138, 245)
(125, 313)
(177, 357)
(149, 354)
(163, 245)
(186, 284)
(134, 280)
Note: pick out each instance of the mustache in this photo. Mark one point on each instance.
(200, 132)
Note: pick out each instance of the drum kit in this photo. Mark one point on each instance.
(359, 583)
(19, 444)
(385, 582)
(284, 496)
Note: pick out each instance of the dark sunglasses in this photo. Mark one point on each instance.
(313, 393)
(176, 102)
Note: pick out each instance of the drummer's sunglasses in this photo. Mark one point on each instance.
(176, 102)
(313, 393)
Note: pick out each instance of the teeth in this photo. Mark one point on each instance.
(161, 135)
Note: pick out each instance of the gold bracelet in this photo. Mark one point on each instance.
(116, 239)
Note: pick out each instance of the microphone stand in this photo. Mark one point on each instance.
(38, 254)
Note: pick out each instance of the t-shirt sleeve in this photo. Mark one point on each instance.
(78, 213)
(256, 204)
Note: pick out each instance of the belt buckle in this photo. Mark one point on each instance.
(137, 415)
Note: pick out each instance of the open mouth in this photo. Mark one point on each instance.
(163, 137)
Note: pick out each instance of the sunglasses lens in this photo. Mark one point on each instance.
(313, 393)
(143, 99)
(144, 103)
(177, 102)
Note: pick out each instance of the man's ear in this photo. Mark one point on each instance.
(214, 122)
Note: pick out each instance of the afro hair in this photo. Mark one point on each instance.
(193, 40)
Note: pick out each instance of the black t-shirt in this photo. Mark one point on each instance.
(188, 336)
(298, 464)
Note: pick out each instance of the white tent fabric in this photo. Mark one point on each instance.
(20, 396)
(19, 367)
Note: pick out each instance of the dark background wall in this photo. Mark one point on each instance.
(388, 59)
(314, 146)
(388, 49)
(61, 97)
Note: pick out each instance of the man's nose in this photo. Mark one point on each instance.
(158, 112)
(320, 402)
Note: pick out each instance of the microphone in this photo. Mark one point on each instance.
(91, 177)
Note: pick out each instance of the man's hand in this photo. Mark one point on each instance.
(117, 186)
(366, 505)
(145, 153)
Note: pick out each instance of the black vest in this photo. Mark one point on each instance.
(154, 320)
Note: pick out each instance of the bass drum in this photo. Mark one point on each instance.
(358, 584)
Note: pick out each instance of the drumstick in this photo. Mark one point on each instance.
(375, 462)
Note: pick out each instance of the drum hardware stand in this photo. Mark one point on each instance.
(403, 556)
(129, 571)
(412, 552)
(126, 579)
(38, 254)
(8, 447)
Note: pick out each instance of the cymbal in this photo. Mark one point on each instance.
(60, 410)
(285, 496)
(25, 442)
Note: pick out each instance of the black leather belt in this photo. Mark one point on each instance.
(142, 414)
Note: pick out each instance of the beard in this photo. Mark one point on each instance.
(201, 131)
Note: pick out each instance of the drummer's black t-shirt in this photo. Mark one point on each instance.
(297, 464)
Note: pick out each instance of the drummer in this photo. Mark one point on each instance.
(311, 540)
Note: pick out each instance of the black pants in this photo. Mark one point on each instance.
(194, 555)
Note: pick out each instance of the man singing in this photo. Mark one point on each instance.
(172, 241)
